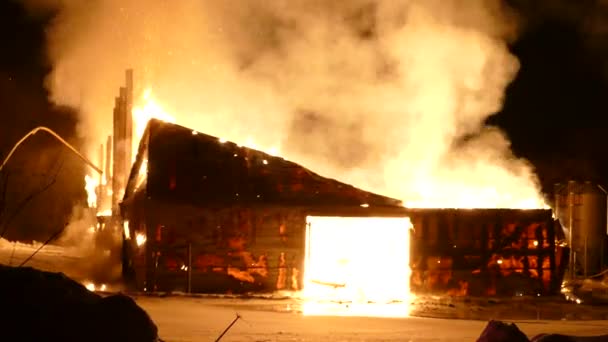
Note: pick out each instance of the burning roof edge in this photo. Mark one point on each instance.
(370, 197)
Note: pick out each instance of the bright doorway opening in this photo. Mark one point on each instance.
(357, 266)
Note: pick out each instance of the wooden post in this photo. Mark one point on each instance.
(117, 155)
(129, 119)
(125, 161)
(109, 160)
(123, 139)
(189, 267)
(100, 187)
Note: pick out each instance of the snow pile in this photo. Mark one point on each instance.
(47, 306)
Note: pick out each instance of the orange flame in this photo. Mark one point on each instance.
(90, 185)
(147, 108)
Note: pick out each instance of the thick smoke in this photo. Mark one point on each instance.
(388, 95)
(98, 251)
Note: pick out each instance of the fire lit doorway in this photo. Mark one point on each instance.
(357, 266)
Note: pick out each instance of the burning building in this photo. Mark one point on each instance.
(204, 215)
(210, 216)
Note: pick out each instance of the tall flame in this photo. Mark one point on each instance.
(90, 185)
(147, 109)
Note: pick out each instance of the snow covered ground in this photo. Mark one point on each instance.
(182, 319)
(78, 261)
(50, 258)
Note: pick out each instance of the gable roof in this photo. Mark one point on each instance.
(188, 166)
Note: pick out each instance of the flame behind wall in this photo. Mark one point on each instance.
(390, 96)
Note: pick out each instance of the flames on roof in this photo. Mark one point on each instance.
(180, 164)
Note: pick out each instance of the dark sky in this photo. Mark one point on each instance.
(41, 162)
(555, 110)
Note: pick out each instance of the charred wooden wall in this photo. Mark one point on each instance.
(232, 249)
(489, 252)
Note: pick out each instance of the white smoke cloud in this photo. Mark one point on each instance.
(388, 95)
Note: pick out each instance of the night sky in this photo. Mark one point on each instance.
(555, 110)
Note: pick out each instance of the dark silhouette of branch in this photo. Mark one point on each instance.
(41, 246)
(5, 225)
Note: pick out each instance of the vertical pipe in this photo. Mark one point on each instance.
(120, 165)
(189, 267)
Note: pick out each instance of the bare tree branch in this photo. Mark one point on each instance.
(51, 238)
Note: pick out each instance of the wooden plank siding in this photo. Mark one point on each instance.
(485, 252)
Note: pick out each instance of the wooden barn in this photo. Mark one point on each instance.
(203, 215)
(217, 217)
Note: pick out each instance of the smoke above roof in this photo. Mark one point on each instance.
(390, 96)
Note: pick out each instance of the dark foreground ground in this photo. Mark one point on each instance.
(203, 318)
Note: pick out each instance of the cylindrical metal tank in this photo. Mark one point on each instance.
(582, 209)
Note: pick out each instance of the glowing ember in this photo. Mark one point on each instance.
(357, 266)
(90, 185)
(140, 239)
(90, 287)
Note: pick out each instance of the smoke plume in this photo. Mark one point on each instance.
(390, 96)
